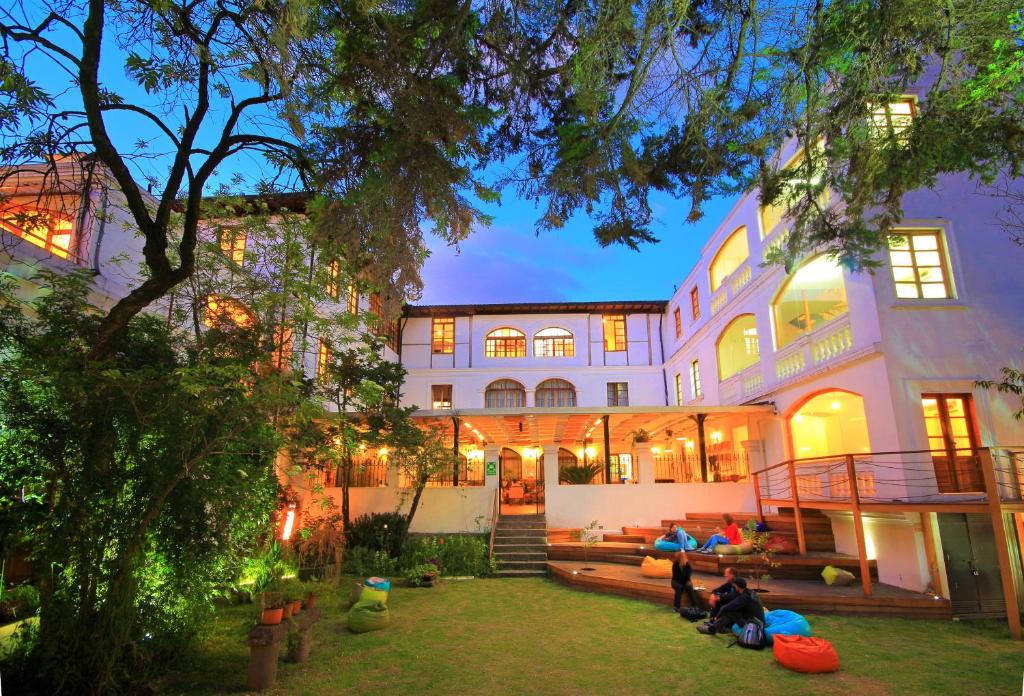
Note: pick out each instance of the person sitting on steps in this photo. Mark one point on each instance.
(723, 594)
(746, 606)
(729, 534)
(682, 581)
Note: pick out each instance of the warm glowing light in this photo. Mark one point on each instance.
(597, 422)
(467, 424)
(362, 445)
(835, 405)
(383, 451)
(289, 524)
(655, 450)
(579, 452)
(716, 436)
(689, 444)
(798, 418)
(590, 451)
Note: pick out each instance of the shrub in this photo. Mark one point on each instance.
(578, 474)
(379, 531)
(320, 546)
(417, 574)
(19, 602)
(459, 554)
(362, 561)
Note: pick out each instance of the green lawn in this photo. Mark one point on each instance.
(537, 637)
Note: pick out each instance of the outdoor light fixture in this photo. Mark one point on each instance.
(289, 524)
(716, 436)
(655, 450)
(383, 451)
(835, 405)
(590, 451)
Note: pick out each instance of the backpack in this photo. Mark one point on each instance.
(692, 613)
(751, 636)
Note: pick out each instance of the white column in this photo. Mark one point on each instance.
(491, 468)
(644, 461)
(550, 465)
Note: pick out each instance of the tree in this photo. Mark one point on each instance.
(128, 546)
(424, 456)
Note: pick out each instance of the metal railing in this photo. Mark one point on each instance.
(494, 521)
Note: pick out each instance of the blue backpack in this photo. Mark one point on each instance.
(752, 636)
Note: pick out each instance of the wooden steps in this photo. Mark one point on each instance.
(629, 538)
(520, 545)
(804, 597)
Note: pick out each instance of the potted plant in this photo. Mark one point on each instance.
(640, 435)
(422, 575)
(310, 600)
(273, 609)
(293, 592)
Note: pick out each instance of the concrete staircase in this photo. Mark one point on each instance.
(520, 546)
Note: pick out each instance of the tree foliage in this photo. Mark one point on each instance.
(420, 460)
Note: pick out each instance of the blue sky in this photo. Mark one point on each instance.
(508, 262)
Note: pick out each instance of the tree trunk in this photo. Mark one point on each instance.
(420, 485)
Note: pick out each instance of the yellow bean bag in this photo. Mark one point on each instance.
(837, 576)
(656, 567)
(740, 549)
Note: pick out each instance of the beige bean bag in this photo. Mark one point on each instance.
(656, 567)
(743, 547)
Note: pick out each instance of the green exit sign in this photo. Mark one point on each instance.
(492, 468)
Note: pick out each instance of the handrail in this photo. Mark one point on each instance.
(494, 523)
(841, 455)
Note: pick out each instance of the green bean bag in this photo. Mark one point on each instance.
(837, 576)
(362, 593)
(740, 549)
(368, 616)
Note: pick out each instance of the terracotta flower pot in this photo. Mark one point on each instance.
(272, 617)
(296, 606)
(311, 600)
(287, 609)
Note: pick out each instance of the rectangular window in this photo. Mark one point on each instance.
(949, 422)
(614, 332)
(695, 303)
(441, 396)
(679, 389)
(376, 305)
(323, 356)
(618, 394)
(677, 316)
(353, 298)
(232, 243)
(895, 117)
(695, 389)
(919, 265)
(333, 286)
(47, 230)
(442, 335)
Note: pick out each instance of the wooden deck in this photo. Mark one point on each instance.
(798, 595)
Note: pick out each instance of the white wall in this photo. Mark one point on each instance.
(441, 510)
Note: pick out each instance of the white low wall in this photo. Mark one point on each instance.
(895, 541)
(441, 510)
(644, 505)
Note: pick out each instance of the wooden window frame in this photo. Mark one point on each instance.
(563, 391)
(229, 244)
(618, 323)
(944, 266)
(435, 398)
(353, 298)
(695, 302)
(561, 345)
(617, 396)
(323, 355)
(505, 390)
(442, 342)
(510, 345)
(695, 388)
(679, 388)
(677, 317)
(333, 285)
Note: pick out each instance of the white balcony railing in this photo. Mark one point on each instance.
(718, 300)
(819, 347)
(730, 287)
(742, 386)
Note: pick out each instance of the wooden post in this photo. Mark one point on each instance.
(929, 551)
(858, 526)
(701, 446)
(607, 451)
(1002, 544)
(800, 540)
(757, 498)
(455, 451)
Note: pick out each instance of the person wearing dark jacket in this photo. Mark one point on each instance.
(723, 594)
(746, 606)
(682, 581)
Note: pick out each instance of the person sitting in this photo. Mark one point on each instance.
(746, 606)
(682, 581)
(723, 594)
(729, 534)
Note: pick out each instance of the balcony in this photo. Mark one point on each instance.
(817, 348)
(731, 287)
(743, 386)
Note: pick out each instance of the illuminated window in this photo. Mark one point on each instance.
(731, 255)
(441, 396)
(353, 298)
(829, 424)
(794, 184)
(47, 230)
(812, 297)
(333, 286)
(918, 265)
(227, 310)
(505, 343)
(695, 303)
(618, 394)
(505, 393)
(895, 117)
(614, 332)
(554, 393)
(949, 423)
(232, 243)
(695, 379)
(737, 346)
(677, 317)
(553, 343)
(679, 389)
(283, 352)
(376, 305)
(442, 335)
(323, 357)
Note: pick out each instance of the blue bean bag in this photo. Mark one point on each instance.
(378, 583)
(781, 622)
(663, 545)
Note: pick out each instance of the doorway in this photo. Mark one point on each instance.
(522, 482)
(949, 421)
(972, 564)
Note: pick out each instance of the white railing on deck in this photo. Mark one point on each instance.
(831, 342)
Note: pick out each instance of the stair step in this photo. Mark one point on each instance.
(522, 573)
(535, 556)
(519, 539)
(522, 565)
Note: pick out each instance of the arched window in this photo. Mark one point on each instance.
(505, 343)
(555, 393)
(227, 310)
(811, 297)
(737, 346)
(730, 256)
(505, 393)
(553, 343)
(830, 423)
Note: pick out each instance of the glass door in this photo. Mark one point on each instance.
(949, 420)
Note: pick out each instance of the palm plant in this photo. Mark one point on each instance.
(578, 474)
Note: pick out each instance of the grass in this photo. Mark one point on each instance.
(534, 636)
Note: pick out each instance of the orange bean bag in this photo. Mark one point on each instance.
(807, 655)
(656, 567)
